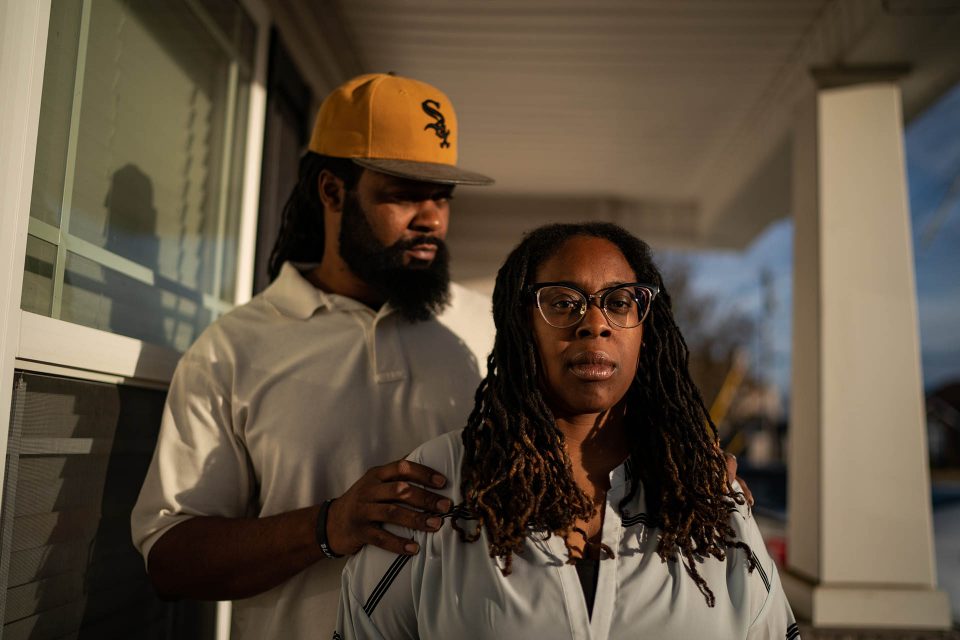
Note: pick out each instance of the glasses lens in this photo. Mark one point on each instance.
(621, 307)
(627, 306)
(560, 306)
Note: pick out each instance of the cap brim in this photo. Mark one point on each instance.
(424, 171)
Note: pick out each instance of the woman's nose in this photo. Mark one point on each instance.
(594, 322)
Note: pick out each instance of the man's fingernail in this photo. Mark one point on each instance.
(434, 523)
(438, 480)
(444, 504)
(411, 547)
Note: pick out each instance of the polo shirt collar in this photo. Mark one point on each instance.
(293, 295)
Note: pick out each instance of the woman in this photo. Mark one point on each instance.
(591, 493)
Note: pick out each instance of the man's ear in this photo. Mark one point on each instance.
(331, 191)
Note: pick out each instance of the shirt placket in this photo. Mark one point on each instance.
(577, 615)
(386, 352)
(583, 625)
(605, 597)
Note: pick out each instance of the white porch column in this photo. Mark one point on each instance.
(860, 534)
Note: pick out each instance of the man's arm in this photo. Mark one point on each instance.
(194, 519)
(216, 558)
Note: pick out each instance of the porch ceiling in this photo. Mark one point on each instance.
(669, 117)
(615, 97)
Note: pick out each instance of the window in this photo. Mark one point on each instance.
(136, 194)
(77, 455)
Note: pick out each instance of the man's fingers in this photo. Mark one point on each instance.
(746, 490)
(732, 475)
(731, 467)
(411, 472)
(401, 516)
(389, 542)
(387, 495)
(409, 494)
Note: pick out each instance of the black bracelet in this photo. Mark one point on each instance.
(321, 532)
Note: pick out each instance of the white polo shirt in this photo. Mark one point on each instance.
(286, 401)
(453, 589)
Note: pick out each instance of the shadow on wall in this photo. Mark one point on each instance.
(113, 296)
(131, 233)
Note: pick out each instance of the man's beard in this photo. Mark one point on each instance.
(416, 291)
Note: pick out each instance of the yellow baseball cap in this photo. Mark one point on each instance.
(395, 125)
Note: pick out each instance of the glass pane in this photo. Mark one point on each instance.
(152, 127)
(236, 26)
(38, 276)
(159, 120)
(103, 298)
(52, 137)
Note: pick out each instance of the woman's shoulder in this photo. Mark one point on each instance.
(443, 454)
(741, 516)
(757, 561)
(744, 525)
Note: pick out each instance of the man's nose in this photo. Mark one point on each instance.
(429, 217)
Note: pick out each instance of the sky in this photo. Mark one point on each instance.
(932, 143)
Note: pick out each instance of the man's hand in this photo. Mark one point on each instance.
(732, 475)
(386, 494)
(216, 558)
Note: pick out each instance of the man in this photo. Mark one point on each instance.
(282, 404)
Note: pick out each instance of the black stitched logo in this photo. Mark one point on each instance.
(432, 109)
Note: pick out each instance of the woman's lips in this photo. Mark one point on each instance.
(592, 366)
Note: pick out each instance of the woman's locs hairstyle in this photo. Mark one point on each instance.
(301, 235)
(516, 475)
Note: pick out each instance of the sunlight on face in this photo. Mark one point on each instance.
(586, 368)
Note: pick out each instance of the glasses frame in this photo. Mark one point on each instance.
(598, 298)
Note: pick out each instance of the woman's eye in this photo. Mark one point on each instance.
(619, 305)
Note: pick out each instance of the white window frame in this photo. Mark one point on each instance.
(32, 342)
(30, 337)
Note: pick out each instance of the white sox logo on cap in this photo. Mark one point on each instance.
(432, 109)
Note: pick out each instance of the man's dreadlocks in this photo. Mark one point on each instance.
(301, 233)
(516, 475)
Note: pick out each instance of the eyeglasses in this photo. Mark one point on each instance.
(563, 305)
